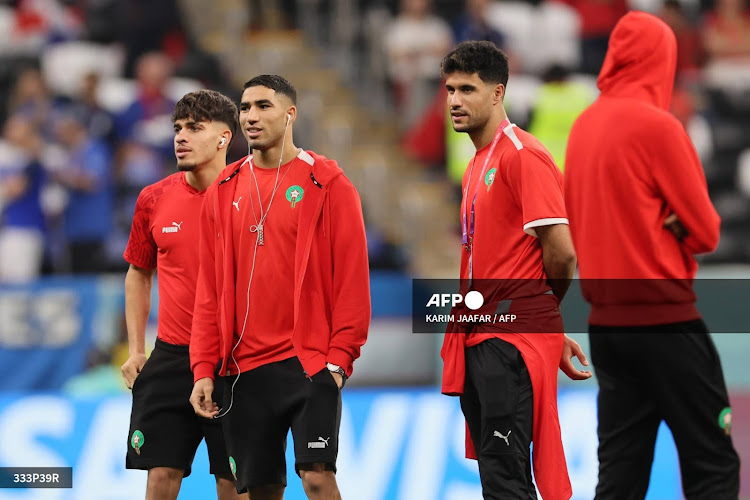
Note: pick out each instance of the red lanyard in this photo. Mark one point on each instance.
(468, 232)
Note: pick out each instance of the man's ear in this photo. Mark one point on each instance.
(499, 93)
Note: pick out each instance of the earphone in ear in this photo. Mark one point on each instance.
(288, 118)
(223, 140)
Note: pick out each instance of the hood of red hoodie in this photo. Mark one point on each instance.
(641, 60)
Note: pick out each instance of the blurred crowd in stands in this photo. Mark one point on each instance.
(87, 89)
(85, 125)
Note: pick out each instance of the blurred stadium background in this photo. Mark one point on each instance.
(86, 90)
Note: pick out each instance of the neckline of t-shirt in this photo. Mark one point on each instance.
(486, 147)
(186, 184)
(272, 171)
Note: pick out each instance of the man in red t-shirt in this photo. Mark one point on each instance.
(164, 431)
(283, 300)
(518, 253)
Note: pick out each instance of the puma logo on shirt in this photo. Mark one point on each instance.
(173, 228)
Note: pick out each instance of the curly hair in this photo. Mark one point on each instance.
(481, 57)
(207, 105)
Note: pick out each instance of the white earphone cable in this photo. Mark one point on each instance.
(255, 253)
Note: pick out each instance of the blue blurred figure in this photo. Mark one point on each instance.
(472, 25)
(22, 220)
(88, 177)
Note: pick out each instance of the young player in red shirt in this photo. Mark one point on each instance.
(518, 253)
(639, 213)
(283, 300)
(164, 431)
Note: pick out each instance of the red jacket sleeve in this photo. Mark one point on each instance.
(205, 333)
(351, 277)
(680, 179)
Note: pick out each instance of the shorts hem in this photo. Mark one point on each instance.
(314, 460)
(153, 465)
(256, 484)
(215, 472)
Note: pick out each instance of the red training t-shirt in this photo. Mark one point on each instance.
(163, 235)
(520, 189)
(268, 323)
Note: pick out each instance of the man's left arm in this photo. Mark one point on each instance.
(559, 259)
(350, 316)
(536, 184)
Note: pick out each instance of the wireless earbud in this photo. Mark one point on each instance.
(223, 140)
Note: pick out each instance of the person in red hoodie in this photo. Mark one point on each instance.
(518, 254)
(639, 213)
(283, 300)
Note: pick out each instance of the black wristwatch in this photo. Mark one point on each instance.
(337, 369)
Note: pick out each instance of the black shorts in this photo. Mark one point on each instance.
(498, 405)
(268, 401)
(163, 425)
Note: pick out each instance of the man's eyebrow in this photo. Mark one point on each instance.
(257, 103)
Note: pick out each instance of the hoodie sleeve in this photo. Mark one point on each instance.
(204, 337)
(680, 179)
(351, 277)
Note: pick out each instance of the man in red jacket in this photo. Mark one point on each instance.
(639, 212)
(164, 431)
(283, 300)
(518, 253)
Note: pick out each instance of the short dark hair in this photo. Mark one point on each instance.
(274, 82)
(207, 105)
(480, 57)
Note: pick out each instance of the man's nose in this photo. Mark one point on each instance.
(251, 116)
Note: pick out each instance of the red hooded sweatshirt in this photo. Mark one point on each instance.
(331, 284)
(629, 165)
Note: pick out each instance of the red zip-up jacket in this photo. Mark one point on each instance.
(629, 165)
(331, 274)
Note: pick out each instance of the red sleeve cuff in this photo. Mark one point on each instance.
(203, 369)
(341, 358)
(137, 263)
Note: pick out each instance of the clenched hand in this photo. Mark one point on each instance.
(675, 226)
(201, 399)
(132, 368)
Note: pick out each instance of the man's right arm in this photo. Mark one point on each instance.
(205, 332)
(138, 282)
(680, 179)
